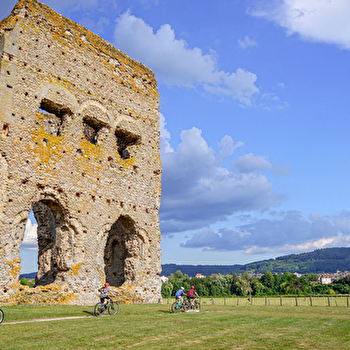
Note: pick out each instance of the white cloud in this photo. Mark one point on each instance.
(197, 191)
(282, 170)
(246, 42)
(285, 232)
(250, 162)
(164, 135)
(318, 20)
(174, 63)
(30, 240)
(227, 146)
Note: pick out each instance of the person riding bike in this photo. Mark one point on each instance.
(104, 294)
(178, 294)
(190, 295)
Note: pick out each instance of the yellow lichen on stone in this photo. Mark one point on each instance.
(76, 268)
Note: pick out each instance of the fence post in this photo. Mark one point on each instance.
(296, 301)
(212, 301)
(168, 300)
(280, 300)
(310, 301)
(237, 301)
(329, 302)
(265, 301)
(347, 301)
(225, 301)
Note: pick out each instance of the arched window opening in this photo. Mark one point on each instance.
(92, 129)
(125, 139)
(53, 116)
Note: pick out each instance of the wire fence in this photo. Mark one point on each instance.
(335, 301)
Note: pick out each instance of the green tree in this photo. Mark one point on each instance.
(268, 280)
(178, 279)
(234, 284)
(217, 284)
(311, 277)
(167, 288)
(245, 283)
(257, 287)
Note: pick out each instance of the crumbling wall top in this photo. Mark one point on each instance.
(71, 32)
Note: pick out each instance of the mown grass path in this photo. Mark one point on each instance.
(155, 327)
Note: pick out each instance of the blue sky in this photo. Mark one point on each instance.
(254, 103)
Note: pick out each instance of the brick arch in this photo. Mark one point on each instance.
(95, 119)
(59, 95)
(57, 105)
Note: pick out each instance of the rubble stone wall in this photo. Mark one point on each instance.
(79, 146)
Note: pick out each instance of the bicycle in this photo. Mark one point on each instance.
(178, 305)
(194, 305)
(111, 306)
(1, 315)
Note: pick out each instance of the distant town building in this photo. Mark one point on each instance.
(199, 275)
(325, 279)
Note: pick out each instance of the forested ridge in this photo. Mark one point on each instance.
(327, 260)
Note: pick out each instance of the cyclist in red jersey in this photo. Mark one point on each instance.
(190, 295)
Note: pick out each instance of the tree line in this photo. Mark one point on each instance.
(326, 260)
(268, 284)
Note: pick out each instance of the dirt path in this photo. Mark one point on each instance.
(43, 319)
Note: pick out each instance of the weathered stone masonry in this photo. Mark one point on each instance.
(80, 145)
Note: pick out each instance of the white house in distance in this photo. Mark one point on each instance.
(325, 279)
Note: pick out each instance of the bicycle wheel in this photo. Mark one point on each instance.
(99, 309)
(1, 315)
(187, 305)
(175, 307)
(113, 308)
(197, 306)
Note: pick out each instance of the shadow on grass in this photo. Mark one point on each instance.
(91, 313)
(165, 311)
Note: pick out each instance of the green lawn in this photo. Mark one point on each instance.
(155, 327)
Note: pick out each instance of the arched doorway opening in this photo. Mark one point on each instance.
(46, 232)
(54, 241)
(123, 252)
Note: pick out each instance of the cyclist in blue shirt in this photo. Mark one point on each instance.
(178, 294)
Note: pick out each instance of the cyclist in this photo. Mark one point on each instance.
(104, 293)
(190, 295)
(178, 294)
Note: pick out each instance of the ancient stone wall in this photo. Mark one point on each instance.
(80, 147)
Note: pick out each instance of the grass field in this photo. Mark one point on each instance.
(153, 326)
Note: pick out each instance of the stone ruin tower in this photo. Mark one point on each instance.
(79, 146)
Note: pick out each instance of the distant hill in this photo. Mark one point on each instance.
(30, 275)
(327, 260)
